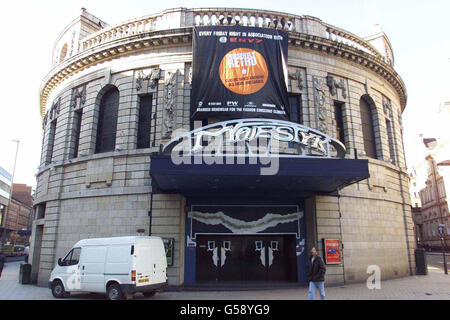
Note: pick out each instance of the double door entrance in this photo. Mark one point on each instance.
(246, 258)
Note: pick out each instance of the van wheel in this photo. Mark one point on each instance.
(114, 292)
(149, 294)
(58, 290)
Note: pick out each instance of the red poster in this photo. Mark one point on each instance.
(332, 252)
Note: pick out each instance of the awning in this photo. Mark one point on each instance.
(295, 177)
(24, 232)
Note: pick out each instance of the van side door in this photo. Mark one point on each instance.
(93, 268)
(70, 270)
(119, 263)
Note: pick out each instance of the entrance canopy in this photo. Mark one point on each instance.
(269, 177)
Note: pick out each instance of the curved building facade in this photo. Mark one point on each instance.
(118, 99)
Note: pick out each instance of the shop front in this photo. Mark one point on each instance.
(245, 178)
(245, 243)
(244, 221)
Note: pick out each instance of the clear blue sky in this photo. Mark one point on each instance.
(418, 31)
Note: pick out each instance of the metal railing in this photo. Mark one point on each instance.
(179, 18)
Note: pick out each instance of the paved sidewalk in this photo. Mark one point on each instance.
(436, 259)
(434, 286)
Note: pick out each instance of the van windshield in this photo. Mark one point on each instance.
(72, 258)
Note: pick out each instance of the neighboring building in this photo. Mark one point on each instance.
(19, 215)
(23, 193)
(414, 193)
(414, 190)
(418, 226)
(431, 177)
(116, 96)
(434, 200)
(24, 219)
(5, 190)
(19, 218)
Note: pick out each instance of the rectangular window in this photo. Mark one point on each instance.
(40, 210)
(51, 142)
(295, 109)
(339, 121)
(295, 112)
(390, 140)
(367, 125)
(144, 124)
(76, 132)
(107, 121)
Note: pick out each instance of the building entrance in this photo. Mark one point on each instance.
(223, 258)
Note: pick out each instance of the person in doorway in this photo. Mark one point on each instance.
(2, 262)
(315, 270)
(27, 253)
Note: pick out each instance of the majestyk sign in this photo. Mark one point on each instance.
(255, 137)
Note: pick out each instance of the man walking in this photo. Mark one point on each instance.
(315, 270)
(2, 262)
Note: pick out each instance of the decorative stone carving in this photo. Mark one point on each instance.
(387, 57)
(54, 110)
(297, 75)
(153, 76)
(170, 89)
(78, 98)
(72, 43)
(333, 85)
(367, 86)
(140, 78)
(190, 76)
(44, 122)
(387, 107)
(320, 103)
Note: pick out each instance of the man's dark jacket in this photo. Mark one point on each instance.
(315, 271)
(2, 261)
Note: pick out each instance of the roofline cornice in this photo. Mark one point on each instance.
(108, 44)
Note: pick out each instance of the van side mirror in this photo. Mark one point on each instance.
(59, 262)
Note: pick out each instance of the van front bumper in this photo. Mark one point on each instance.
(132, 288)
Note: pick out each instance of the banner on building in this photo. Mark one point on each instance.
(332, 252)
(239, 72)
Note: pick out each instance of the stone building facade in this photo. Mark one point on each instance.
(5, 190)
(434, 209)
(84, 192)
(430, 181)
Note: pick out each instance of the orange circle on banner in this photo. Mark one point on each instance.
(243, 71)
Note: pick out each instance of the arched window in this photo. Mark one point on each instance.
(107, 121)
(367, 127)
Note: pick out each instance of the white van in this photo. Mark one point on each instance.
(119, 266)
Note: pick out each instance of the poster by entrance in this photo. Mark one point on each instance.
(239, 72)
(332, 252)
(168, 246)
